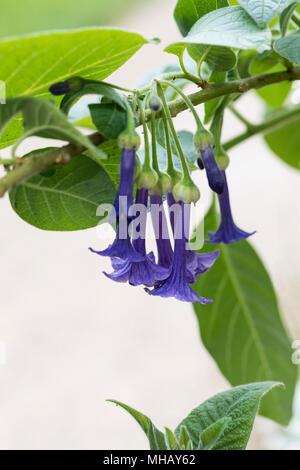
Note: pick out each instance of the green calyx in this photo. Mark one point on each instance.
(147, 179)
(186, 191)
(222, 158)
(203, 139)
(163, 185)
(129, 140)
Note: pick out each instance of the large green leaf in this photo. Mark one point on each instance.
(263, 11)
(242, 328)
(109, 119)
(156, 437)
(240, 405)
(187, 12)
(284, 140)
(286, 15)
(289, 47)
(218, 58)
(30, 64)
(65, 200)
(229, 27)
(42, 118)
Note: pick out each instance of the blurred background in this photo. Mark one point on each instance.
(72, 337)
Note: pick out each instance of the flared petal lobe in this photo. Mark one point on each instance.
(143, 271)
(227, 232)
(177, 285)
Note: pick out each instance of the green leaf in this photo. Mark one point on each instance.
(284, 141)
(263, 11)
(185, 441)
(43, 119)
(171, 441)
(262, 63)
(242, 328)
(30, 64)
(187, 12)
(112, 164)
(218, 58)
(229, 27)
(66, 200)
(210, 436)
(156, 437)
(244, 61)
(286, 15)
(239, 404)
(91, 88)
(109, 119)
(289, 47)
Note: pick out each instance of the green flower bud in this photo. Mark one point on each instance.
(147, 178)
(129, 140)
(203, 139)
(186, 191)
(163, 185)
(222, 159)
(155, 104)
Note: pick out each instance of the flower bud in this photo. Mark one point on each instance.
(129, 140)
(147, 179)
(203, 139)
(186, 191)
(163, 185)
(72, 85)
(222, 159)
(155, 104)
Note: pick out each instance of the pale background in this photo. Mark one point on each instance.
(73, 338)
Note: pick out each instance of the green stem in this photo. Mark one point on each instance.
(240, 117)
(217, 123)
(187, 74)
(269, 125)
(130, 118)
(202, 60)
(9, 161)
(147, 164)
(171, 168)
(153, 141)
(187, 101)
(117, 87)
(185, 168)
(33, 166)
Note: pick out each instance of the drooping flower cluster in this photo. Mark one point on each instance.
(176, 267)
